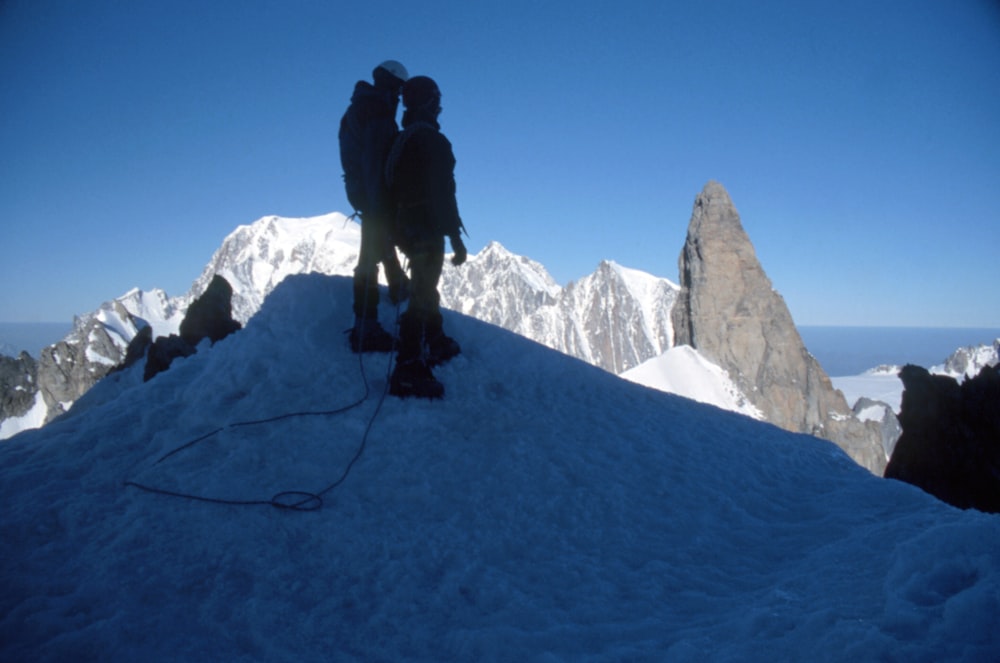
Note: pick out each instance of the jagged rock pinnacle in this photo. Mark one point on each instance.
(729, 312)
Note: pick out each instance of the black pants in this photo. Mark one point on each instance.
(376, 247)
(422, 320)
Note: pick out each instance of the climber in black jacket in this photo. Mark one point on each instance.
(420, 173)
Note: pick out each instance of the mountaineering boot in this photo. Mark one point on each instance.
(414, 378)
(440, 347)
(369, 336)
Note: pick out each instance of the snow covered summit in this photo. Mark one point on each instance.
(544, 510)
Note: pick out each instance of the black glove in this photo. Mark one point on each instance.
(460, 253)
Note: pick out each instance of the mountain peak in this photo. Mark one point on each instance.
(495, 247)
(714, 192)
(729, 311)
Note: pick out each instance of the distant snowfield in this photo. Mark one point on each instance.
(544, 510)
(877, 385)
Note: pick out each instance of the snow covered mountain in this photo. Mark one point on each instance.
(255, 258)
(967, 362)
(66, 370)
(545, 510)
(498, 287)
(615, 318)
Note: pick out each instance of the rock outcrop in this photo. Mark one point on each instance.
(69, 368)
(209, 316)
(950, 446)
(18, 384)
(729, 312)
(867, 409)
(969, 361)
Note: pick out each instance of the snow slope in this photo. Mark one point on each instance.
(683, 371)
(545, 510)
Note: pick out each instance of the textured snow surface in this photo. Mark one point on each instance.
(544, 510)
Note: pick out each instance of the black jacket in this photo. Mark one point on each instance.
(421, 176)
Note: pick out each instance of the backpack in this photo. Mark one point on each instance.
(367, 120)
(350, 159)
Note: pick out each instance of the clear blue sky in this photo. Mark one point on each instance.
(860, 141)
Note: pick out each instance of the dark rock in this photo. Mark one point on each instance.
(137, 347)
(888, 423)
(211, 315)
(18, 385)
(69, 368)
(729, 311)
(950, 446)
(162, 353)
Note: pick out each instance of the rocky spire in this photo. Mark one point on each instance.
(730, 313)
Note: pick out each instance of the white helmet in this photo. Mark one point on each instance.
(395, 68)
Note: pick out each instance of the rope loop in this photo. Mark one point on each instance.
(287, 500)
(306, 501)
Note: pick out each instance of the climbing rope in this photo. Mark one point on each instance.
(293, 500)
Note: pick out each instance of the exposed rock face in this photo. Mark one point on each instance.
(211, 315)
(18, 384)
(729, 312)
(162, 352)
(950, 446)
(68, 369)
(137, 348)
(867, 409)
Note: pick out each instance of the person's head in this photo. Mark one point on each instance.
(390, 75)
(421, 96)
